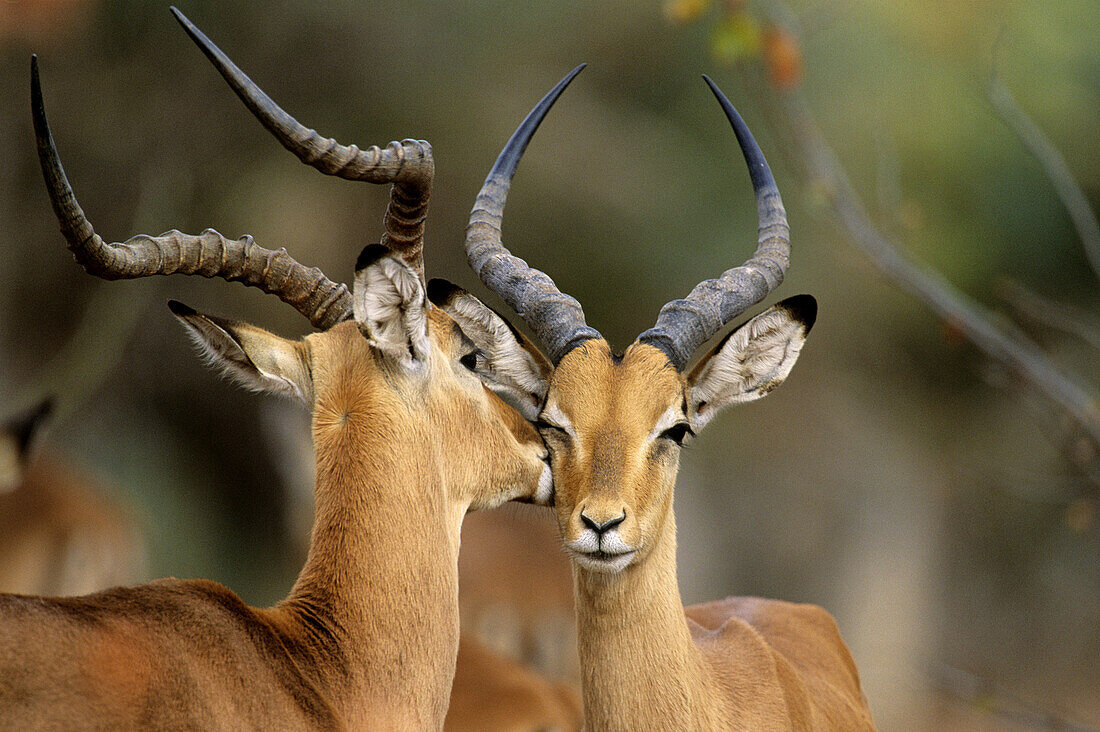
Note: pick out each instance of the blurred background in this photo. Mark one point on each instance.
(936, 503)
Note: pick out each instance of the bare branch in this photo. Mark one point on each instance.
(1003, 343)
(1051, 161)
(1050, 314)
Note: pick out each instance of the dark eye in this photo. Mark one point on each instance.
(469, 360)
(678, 432)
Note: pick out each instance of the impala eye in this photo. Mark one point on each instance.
(470, 360)
(678, 432)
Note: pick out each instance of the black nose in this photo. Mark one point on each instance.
(600, 528)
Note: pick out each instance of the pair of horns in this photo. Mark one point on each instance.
(408, 165)
(556, 318)
(682, 325)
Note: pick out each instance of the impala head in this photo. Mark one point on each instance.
(614, 423)
(387, 367)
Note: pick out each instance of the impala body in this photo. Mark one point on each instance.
(368, 636)
(614, 424)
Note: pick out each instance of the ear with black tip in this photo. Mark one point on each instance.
(249, 355)
(752, 360)
(22, 428)
(17, 435)
(390, 306)
(513, 366)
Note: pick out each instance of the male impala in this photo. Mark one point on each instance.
(614, 425)
(369, 634)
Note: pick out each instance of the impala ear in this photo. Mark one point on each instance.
(390, 307)
(513, 366)
(17, 434)
(249, 355)
(752, 360)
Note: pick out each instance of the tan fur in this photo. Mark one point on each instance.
(369, 634)
(648, 662)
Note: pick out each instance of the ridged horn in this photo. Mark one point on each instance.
(556, 318)
(683, 325)
(408, 164)
(209, 254)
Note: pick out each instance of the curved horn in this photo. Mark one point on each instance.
(408, 164)
(209, 254)
(556, 318)
(683, 325)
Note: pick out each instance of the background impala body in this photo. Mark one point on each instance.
(61, 533)
(369, 633)
(614, 425)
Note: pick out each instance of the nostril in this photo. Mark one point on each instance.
(600, 528)
(614, 522)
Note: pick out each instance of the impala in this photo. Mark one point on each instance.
(485, 686)
(369, 633)
(614, 425)
(60, 533)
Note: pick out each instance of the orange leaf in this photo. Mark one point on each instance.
(783, 58)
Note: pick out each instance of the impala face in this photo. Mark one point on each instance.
(399, 370)
(614, 425)
(614, 428)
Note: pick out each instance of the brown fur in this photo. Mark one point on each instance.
(369, 634)
(648, 662)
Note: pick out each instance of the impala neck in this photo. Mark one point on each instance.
(638, 661)
(376, 605)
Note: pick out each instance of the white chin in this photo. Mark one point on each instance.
(610, 565)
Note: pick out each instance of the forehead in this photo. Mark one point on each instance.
(590, 386)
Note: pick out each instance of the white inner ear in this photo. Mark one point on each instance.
(511, 370)
(755, 359)
(249, 356)
(389, 305)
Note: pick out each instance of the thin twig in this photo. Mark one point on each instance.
(1004, 342)
(887, 174)
(1051, 161)
(1050, 314)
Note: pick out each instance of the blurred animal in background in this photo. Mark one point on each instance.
(515, 589)
(491, 692)
(61, 532)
